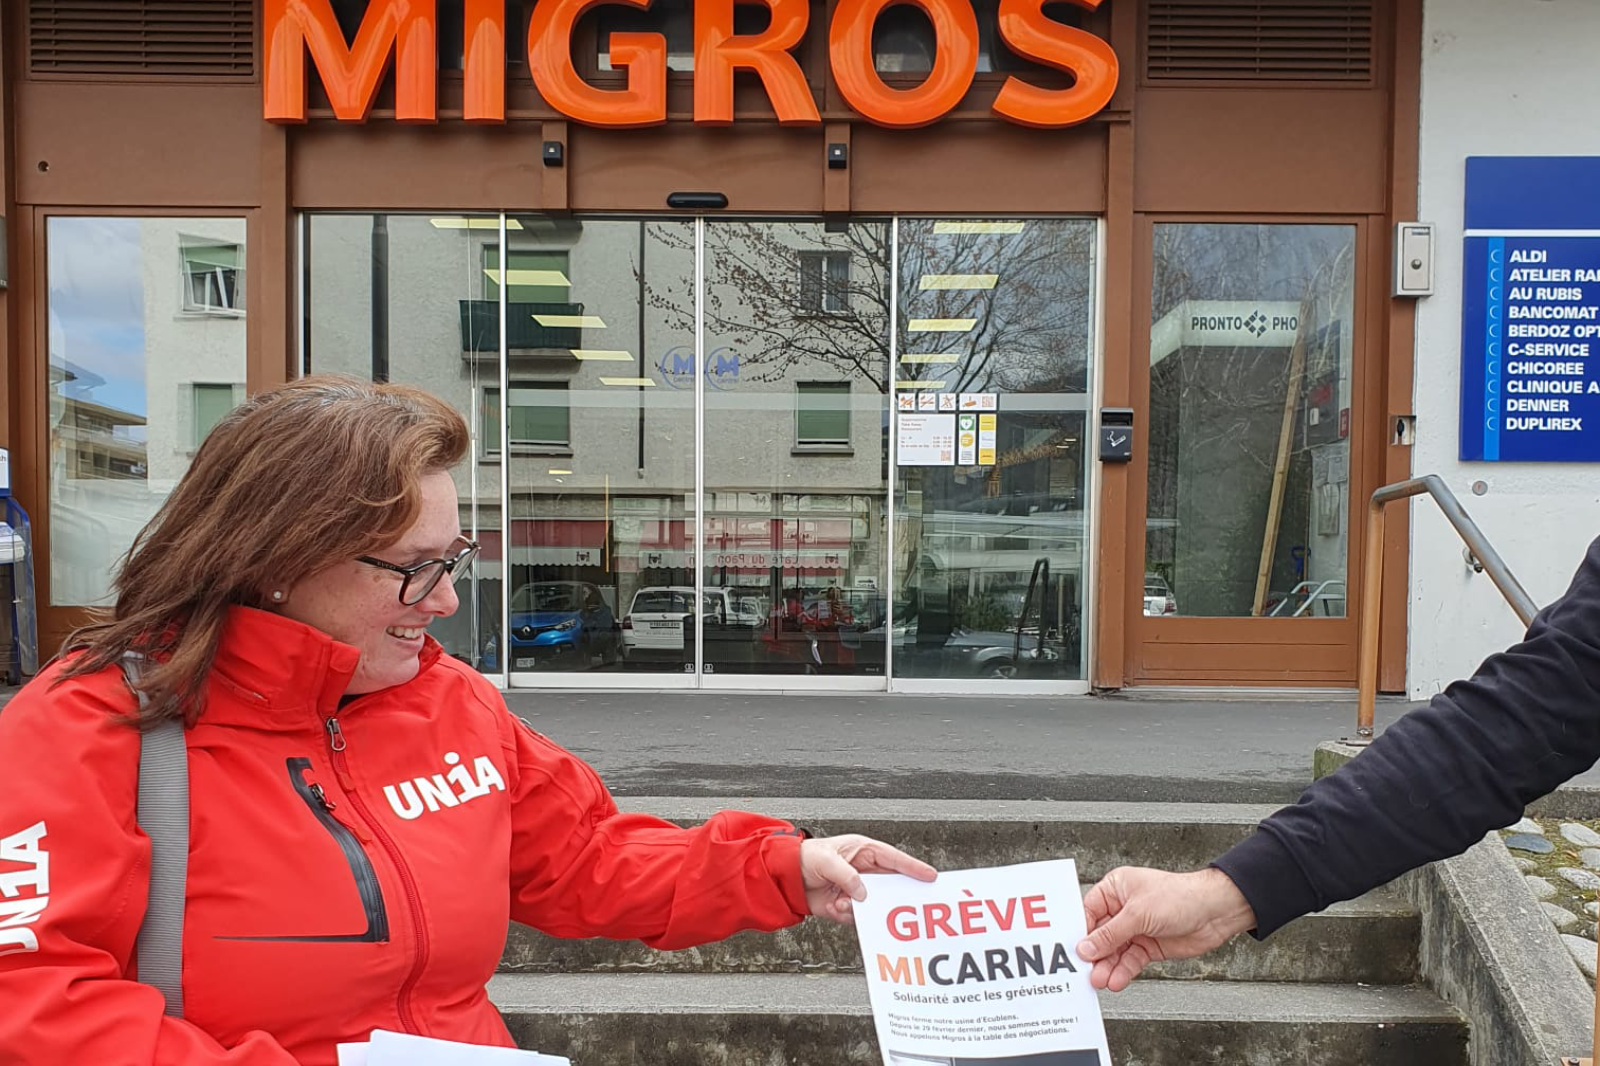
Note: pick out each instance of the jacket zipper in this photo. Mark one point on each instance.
(336, 748)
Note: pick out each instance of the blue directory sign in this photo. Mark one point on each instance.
(1530, 330)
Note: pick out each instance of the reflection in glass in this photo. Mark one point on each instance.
(585, 404)
(602, 441)
(429, 327)
(1250, 391)
(995, 322)
(146, 354)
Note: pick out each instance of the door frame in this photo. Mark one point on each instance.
(1312, 652)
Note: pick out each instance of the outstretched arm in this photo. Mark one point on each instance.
(1428, 788)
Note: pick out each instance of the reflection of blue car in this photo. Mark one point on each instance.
(561, 624)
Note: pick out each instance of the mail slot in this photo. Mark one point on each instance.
(1116, 434)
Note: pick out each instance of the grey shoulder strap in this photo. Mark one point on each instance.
(164, 816)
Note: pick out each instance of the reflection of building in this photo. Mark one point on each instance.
(194, 333)
(92, 439)
(1227, 485)
(169, 340)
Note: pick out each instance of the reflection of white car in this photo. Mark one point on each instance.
(1158, 598)
(655, 621)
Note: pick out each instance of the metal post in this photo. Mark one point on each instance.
(1367, 645)
(380, 297)
(1372, 581)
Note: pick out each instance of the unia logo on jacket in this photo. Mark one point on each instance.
(410, 798)
(24, 893)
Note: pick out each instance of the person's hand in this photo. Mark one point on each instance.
(832, 867)
(1138, 916)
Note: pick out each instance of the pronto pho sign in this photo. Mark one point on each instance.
(407, 30)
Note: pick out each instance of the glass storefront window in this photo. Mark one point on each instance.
(683, 436)
(991, 402)
(146, 354)
(1250, 390)
(402, 298)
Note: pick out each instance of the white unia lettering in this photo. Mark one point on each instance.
(412, 807)
(411, 799)
(488, 776)
(16, 909)
(436, 792)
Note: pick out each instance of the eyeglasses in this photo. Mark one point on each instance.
(420, 578)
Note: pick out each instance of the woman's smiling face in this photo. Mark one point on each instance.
(359, 604)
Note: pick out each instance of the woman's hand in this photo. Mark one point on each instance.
(1137, 916)
(832, 869)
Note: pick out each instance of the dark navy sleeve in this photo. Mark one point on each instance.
(1441, 777)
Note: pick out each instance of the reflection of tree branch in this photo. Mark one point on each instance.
(1032, 332)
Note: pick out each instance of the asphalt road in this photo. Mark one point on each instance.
(944, 747)
(1124, 747)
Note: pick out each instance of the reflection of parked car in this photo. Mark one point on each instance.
(654, 623)
(964, 653)
(1158, 598)
(561, 623)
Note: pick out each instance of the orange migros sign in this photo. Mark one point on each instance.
(407, 30)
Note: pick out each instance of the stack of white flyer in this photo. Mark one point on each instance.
(981, 967)
(401, 1049)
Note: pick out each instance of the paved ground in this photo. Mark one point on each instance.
(1115, 748)
(940, 747)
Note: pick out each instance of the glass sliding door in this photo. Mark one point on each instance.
(995, 343)
(601, 434)
(795, 324)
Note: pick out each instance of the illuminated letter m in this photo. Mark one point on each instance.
(350, 73)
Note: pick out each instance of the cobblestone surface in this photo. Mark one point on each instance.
(1562, 878)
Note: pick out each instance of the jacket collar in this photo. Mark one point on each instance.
(279, 664)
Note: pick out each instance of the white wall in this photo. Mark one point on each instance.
(1499, 77)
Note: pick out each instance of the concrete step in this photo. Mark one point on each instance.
(825, 1020)
(1372, 940)
(953, 834)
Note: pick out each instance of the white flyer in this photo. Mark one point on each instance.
(401, 1049)
(981, 966)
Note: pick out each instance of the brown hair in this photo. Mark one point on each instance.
(294, 480)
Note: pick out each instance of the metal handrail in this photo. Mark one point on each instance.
(1372, 580)
(1487, 559)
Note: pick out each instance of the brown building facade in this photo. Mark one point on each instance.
(969, 406)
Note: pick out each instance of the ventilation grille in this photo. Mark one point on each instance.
(142, 38)
(1246, 40)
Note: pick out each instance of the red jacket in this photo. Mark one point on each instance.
(350, 867)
